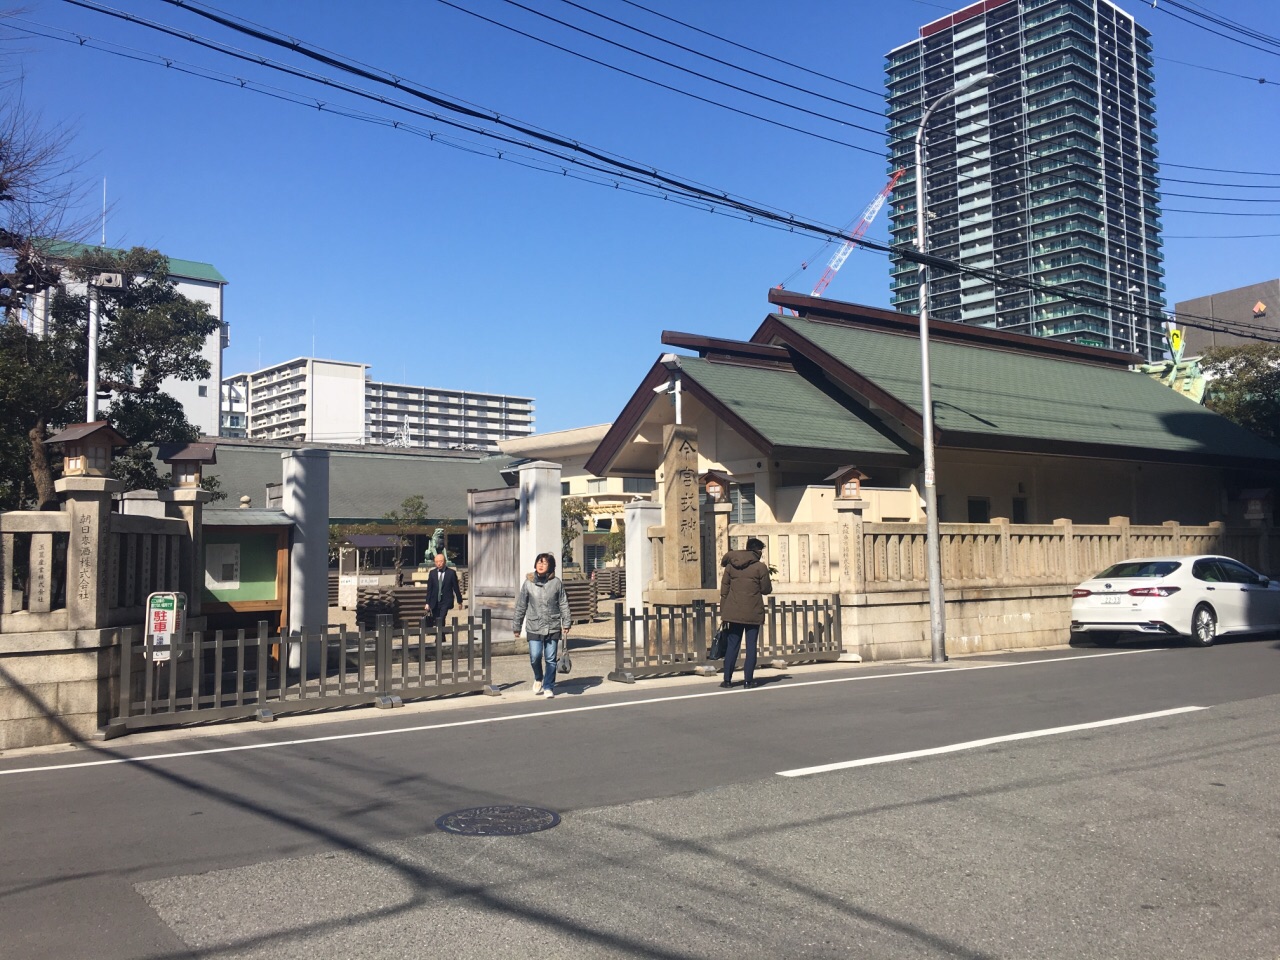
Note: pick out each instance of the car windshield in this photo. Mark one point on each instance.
(1140, 568)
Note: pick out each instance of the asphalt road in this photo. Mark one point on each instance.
(1156, 836)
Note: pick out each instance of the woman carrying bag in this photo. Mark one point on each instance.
(743, 587)
(541, 605)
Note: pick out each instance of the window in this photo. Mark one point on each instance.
(1237, 572)
(1208, 571)
(202, 390)
(564, 488)
(639, 485)
(596, 485)
(1020, 511)
(1144, 568)
(979, 510)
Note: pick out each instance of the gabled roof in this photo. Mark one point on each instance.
(187, 452)
(841, 381)
(1002, 399)
(78, 431)
(772, 406)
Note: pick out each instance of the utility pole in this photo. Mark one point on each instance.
(101, 280)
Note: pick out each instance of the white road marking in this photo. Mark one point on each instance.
(974, 744)
(955, 670)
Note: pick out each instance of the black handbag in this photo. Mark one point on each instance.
(565, 664)
(719, 642)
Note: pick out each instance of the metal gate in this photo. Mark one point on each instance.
(219, 676)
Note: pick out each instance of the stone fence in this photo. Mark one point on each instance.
(50, 581)
(1005, 584)
(68, 581)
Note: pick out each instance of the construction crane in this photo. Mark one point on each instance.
(858, 228)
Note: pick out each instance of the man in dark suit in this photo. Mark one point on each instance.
(442, 587)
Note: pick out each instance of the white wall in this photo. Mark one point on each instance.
(203, 411)
(335, 411)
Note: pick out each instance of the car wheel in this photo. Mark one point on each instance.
(1105, 639)
(1204, 626)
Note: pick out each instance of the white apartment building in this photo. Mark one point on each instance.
(333, 401)
(198, 281)
(408, 416)
(301, 399)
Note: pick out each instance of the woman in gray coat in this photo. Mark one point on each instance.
(743, 587)
(541, 605)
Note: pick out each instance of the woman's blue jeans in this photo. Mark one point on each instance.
(544, 648)
(736, 633)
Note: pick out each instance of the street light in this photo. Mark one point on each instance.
(937, 611)
(113, 281)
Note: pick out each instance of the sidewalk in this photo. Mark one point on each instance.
(591, 646)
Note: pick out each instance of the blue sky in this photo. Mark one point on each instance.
(356, 241)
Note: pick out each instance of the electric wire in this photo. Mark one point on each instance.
(760, 53)
(705, 56)
(716, 201)
(677, 90)
(893, 141)
(1225, 73)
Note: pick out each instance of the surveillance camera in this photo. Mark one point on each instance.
(670, 360)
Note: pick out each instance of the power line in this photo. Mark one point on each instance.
(668, 87)
(697, 53)
(760, 53)
(1226, 73)
(665, 184)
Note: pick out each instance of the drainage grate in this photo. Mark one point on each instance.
(507, 820)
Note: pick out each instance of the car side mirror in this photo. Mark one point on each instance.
(1264, 582)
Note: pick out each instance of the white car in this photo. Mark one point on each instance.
(1199, 597)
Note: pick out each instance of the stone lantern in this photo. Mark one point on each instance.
(86, 488)
(86, 448)
(716, 485)
(187, 461)
(848, 482)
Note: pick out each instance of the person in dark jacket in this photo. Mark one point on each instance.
(442, 587)
(743, 587)
(543, 608)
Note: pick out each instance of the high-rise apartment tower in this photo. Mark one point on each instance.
(1047, 172)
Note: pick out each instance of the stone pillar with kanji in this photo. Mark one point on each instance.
(681, 513)
(88, 501)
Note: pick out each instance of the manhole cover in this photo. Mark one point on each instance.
(500, 821)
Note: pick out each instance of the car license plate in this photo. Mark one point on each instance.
(1111, 598)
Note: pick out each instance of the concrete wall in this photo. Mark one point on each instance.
(895, 626)
(336, 409)
(56, 686)
(202, 408)
(1233, 306)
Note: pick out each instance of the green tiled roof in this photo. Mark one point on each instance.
(187, 269)
(363, 485)
(786, 409)
(1001, 394)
